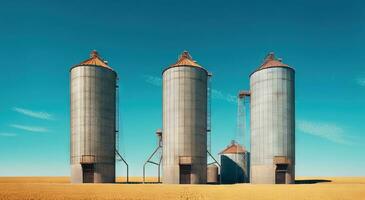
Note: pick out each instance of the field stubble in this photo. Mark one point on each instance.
(32, 188)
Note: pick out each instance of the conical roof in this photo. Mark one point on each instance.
(95, 60)
(185, 60)
(271, 61)
(233, 148)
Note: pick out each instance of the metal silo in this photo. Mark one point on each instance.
(272, 123)
(234, 164)
(212, 174)
(93, 121)
(185, 122)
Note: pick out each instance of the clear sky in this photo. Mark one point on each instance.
(40, 40)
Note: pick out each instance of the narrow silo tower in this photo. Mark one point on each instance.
(212, 174)
(272, 123)
(234, 164)
(185, 122)
(93, 121)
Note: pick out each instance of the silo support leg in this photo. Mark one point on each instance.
(149, 161)
(125, 162)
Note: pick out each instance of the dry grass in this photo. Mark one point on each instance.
(31, 188)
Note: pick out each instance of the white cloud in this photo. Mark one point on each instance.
(35, 114)
(361, 81)
(217, 94)
(7, 134)
(30, 128)
(328, 131)
(153, 80)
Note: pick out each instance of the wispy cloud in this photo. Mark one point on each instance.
(30, 128)
(216, 94)
(7, 134)
(361, 81)
(328, 131)
(153, 80)
(35, 114)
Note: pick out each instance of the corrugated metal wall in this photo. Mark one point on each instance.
(212, 174)
(234, 168)
(272, 122)
(184, 122)
(93, 111)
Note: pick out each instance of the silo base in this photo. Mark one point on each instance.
(184, 174)
(92, 173)
(271, 174)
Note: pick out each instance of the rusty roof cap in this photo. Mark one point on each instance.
(185, 59)
(233, 148)
(95, 60)
(271, 61)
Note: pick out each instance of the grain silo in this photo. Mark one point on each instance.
(93, 121)
(272, 123)
(185, 122)
(234, 164)
(212, 174)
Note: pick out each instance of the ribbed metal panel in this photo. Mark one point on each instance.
(93, 111)
(234, 168)
(184, 123)
(272, 122)
(212, 174)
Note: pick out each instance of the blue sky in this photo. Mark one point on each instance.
(41, 40)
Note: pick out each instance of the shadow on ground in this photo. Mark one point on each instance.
(312, 181)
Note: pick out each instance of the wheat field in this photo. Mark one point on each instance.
(308, 188)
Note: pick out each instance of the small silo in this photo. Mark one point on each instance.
(185, 122)
(212, 174)
(272, 123)
(93, 121)
(234, 164)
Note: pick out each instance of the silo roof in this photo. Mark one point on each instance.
(95, 60)
(185, 60)
(212, 165)
(271, 61)
(234, 148)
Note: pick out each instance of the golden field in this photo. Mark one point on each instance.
(323, 188)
